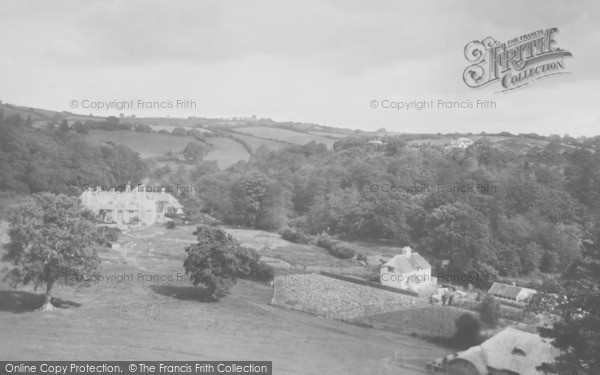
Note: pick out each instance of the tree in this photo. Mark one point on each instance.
(195, 152)
(489, 311)
(52, 239)
(467, 330)
(217, 260)
(179, 131)
(64, 126)
(576, 332)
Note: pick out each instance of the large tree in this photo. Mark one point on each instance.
(52, 239)
(217, 260)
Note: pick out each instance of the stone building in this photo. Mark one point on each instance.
(131, 206)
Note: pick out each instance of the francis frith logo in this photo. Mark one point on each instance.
(515, 63)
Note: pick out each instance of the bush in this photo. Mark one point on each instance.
(489, 311)
(342, 251)
(335, 247)
(262, 272)
(107, 235)
(325, 241)
(170, 225)
(294, 235)
(467, 330)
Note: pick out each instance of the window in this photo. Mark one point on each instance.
(518, 351)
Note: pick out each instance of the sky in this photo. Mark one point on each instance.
(336, 63)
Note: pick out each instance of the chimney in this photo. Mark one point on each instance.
(406, 250)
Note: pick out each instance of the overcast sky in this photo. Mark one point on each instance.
(306, 61)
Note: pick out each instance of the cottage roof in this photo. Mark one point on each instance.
(404, 263)
(511, 350)
(508, 291)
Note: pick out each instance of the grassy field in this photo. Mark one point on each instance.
(431, 321)
(226, 151)
(146, 318)
(146, 144)
(329, 135)
(285, 135)
(257, 142)
(272, 245)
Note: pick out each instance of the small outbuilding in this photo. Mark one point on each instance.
(511, 293)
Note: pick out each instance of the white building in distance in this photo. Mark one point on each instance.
(408, 271)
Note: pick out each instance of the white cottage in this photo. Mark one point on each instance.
(408, 271)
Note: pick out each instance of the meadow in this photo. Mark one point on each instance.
(140, 313)
(285, 135)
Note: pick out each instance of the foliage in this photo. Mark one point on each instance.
(342, 251)
(489, 311)
(468, 329)
(325, 241)
(170, 225)
(107, 235)
(576, 303)
(217, 260)
(294, 235)
(34, 160)
(52, 239)
(195, 152)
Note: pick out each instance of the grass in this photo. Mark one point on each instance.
(257, 142)
(431, 321)
(144, 318)
(329, 135)
(272, 245)
(226, 151)
(146, 144)
(285, 135)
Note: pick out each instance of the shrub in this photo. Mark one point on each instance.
(262, 272)
(361, 257)
(489, 310)
(294, 235)
(325, 241)
(170, 225)
(467, 330)
(107, 235)
(342, 251)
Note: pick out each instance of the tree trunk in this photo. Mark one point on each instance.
(48, 298)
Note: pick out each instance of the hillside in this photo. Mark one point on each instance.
(226, 151)
(285, 135)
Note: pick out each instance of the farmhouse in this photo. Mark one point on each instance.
(510, 352)
(511, 292)
(409, 271)
(129, 206)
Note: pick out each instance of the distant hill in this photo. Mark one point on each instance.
(38, 114)
(235, 138)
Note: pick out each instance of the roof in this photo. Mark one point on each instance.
(404, 264)
(508, 291)
(512, 350)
